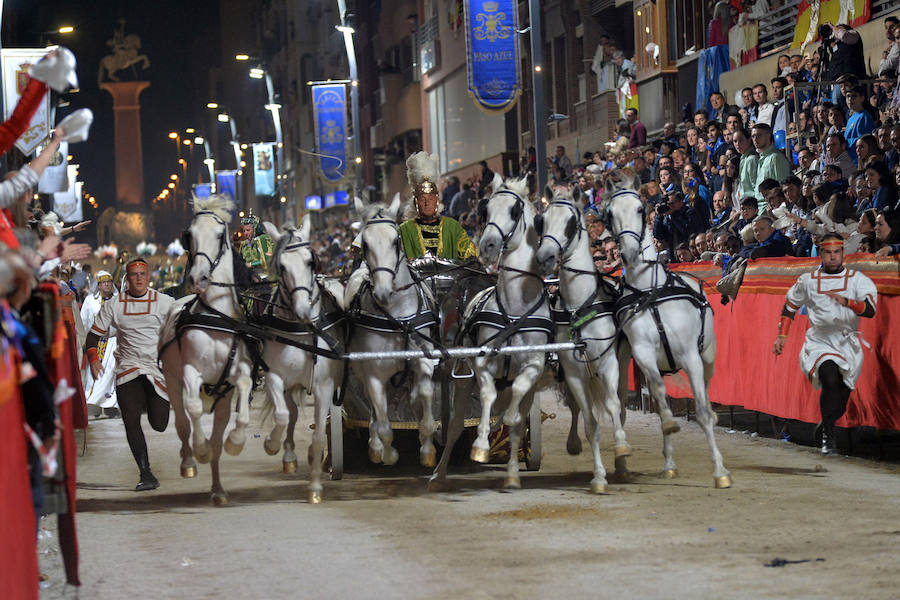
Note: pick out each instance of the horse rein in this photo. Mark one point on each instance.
(564, 248)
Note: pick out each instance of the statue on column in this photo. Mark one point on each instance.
(124, 55)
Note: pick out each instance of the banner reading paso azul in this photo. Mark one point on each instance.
(330, 110)
(492, 53)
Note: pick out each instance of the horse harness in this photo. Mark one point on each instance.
(634, 300)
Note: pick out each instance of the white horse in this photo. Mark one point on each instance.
(300, 314)
(390, 311)
(665, 316)
(195, 355)
(585, 313)
(515, 312)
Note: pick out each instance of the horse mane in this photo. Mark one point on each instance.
(219, 204)
(371, 210)
(516, 185)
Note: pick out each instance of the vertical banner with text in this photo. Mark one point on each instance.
(67, 204)
(264, 169)
(15, 63)
(330, 110)
(492, 53)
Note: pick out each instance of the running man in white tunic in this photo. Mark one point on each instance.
(101, 393)
(137, 314)
(832, 356)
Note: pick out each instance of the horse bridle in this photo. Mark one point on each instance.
(570, 239)
(517, 212)
(223, 244)
(310, 289)
(619, 235)
(377, 220)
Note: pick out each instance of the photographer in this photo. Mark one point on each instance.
(676, 221)
(841, 52)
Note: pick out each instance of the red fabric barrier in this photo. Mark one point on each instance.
(18, 552)
(748, 374)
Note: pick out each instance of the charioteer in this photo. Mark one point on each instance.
(430, 234)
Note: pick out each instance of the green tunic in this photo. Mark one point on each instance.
(257, 252)
(446, 239)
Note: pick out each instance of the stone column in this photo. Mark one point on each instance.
(129, 157)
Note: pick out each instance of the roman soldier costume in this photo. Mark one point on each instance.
(438, 236)
(257, 250)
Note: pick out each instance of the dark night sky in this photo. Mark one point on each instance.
(180, 39)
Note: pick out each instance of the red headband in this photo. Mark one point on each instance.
(136, 263)
(831, 243)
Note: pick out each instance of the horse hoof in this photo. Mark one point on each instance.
(220, 499)
(723, 482)
(598, 488)
(670, 427)
(314, 497)
(289, 466)
(480, 455)
(269, 450)
(374, 456)
(512, 482)
(574, 447)
(188, 471)
(670, 474)
(429, 459)
(437, 485)
(390, 457)
(623, 451)
(232, 448)
(204, 455)
(620, 477)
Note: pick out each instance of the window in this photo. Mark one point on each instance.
(688, 20)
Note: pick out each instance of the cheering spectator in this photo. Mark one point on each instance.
(769, 241)
(860, 121)
(882, 181)
(772, 163)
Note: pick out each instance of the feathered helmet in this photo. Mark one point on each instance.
(250, 219)
(423, 173)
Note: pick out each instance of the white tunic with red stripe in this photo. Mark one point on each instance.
(833, 332)
(137, 321)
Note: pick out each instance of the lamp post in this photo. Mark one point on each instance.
(348, 32)
(225, 117)
(261, 72)
(537, 85)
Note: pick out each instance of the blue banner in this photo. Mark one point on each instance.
(264, 169)
(202, 190)
(329, 111)
(312, 202)
(492, 53)
(225, 183)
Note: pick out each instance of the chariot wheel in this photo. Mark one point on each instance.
(336, 443)
(534, 450)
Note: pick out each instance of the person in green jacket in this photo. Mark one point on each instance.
(772, 163)
(429, 233)
(256, 248)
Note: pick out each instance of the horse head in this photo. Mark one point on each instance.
(294, 265)
(381, 245)
(623, 212)
(209, 241)
(560, 227)
(510, 220)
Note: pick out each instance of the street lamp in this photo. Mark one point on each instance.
(348, 32)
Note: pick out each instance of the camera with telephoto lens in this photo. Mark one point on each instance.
(663, 207)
